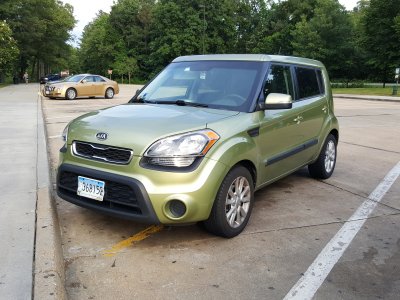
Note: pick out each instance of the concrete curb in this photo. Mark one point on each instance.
(49, 271)
(368, 98)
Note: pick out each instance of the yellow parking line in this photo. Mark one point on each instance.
(133, 239)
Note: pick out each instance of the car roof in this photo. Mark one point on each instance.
(251, 57)
(87, 74)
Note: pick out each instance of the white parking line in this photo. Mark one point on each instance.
(315, 275)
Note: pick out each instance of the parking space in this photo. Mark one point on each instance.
(293, 219)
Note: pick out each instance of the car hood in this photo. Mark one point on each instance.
(60, 83)
(137, 126)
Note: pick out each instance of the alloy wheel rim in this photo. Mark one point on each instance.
(110, 93)
(71, 94)
(330, 156)
(237, 202)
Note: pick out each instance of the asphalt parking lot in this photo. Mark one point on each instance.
(292, 221)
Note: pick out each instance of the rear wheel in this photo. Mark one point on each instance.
(109, 93)
(324, 166)
(232, 207)
(70, 94)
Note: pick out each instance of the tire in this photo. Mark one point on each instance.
(70, 94)
(324, 166)
(230, 213)
(109, 93)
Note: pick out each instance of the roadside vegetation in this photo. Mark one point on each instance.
(377, 91)
(140, 37)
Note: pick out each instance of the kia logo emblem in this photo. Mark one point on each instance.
(101, 136)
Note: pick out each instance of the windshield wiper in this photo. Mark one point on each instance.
(188, 103)
(178, 102)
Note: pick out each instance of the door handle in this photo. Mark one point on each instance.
(324, 109)
(298, 119)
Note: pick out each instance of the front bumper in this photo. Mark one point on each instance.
(148, 193)
(125, 197)
(54, 93)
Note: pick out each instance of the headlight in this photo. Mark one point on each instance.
(64, 135)
(181, 150)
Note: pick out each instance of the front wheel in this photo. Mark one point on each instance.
(232, 207)
(70, 94)
(324, 166)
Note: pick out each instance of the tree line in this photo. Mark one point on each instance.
(140, 37)
(36, 32)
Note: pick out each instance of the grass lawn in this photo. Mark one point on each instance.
(3, 85)
(366, 91)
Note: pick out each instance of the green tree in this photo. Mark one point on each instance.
(41, 29)
(381, 37)
(132, 20)
(177, 30)
(126, 66)
(8, 49)
(326, 35)
(98, 45)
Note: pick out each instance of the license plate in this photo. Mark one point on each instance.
(90, 188)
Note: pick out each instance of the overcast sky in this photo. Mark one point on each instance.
(86, 10)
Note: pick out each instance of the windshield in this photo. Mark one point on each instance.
(226, 85)
(75, 78)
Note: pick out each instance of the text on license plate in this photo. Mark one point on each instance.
(91, 188)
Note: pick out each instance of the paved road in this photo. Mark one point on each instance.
(19, 115)
(293, 219)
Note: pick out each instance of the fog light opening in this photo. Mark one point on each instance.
(177, 208)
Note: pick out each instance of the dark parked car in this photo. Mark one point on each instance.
(49, 78)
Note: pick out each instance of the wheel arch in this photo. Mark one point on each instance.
(249, 165)
(335, 133)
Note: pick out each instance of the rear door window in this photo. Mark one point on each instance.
(307, 82)
(98, 79)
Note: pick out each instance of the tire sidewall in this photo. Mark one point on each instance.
(322, 156)
(107, 93)
(67, 94)
(220, 202)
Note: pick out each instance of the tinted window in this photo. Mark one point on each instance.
(279, 80)
(321, 81)
(99, 79)
(307, 82)
(89, 79)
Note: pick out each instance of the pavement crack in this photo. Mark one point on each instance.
(369, 147)
(359, 195)
(319, 224)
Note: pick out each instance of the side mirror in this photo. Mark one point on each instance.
(84, 81)
(278, 101)
(137, 93)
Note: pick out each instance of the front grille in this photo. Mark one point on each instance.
(102, 152)
(116, 194)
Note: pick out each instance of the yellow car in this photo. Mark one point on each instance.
(82, 85)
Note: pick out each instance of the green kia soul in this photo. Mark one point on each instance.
(198, 140)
